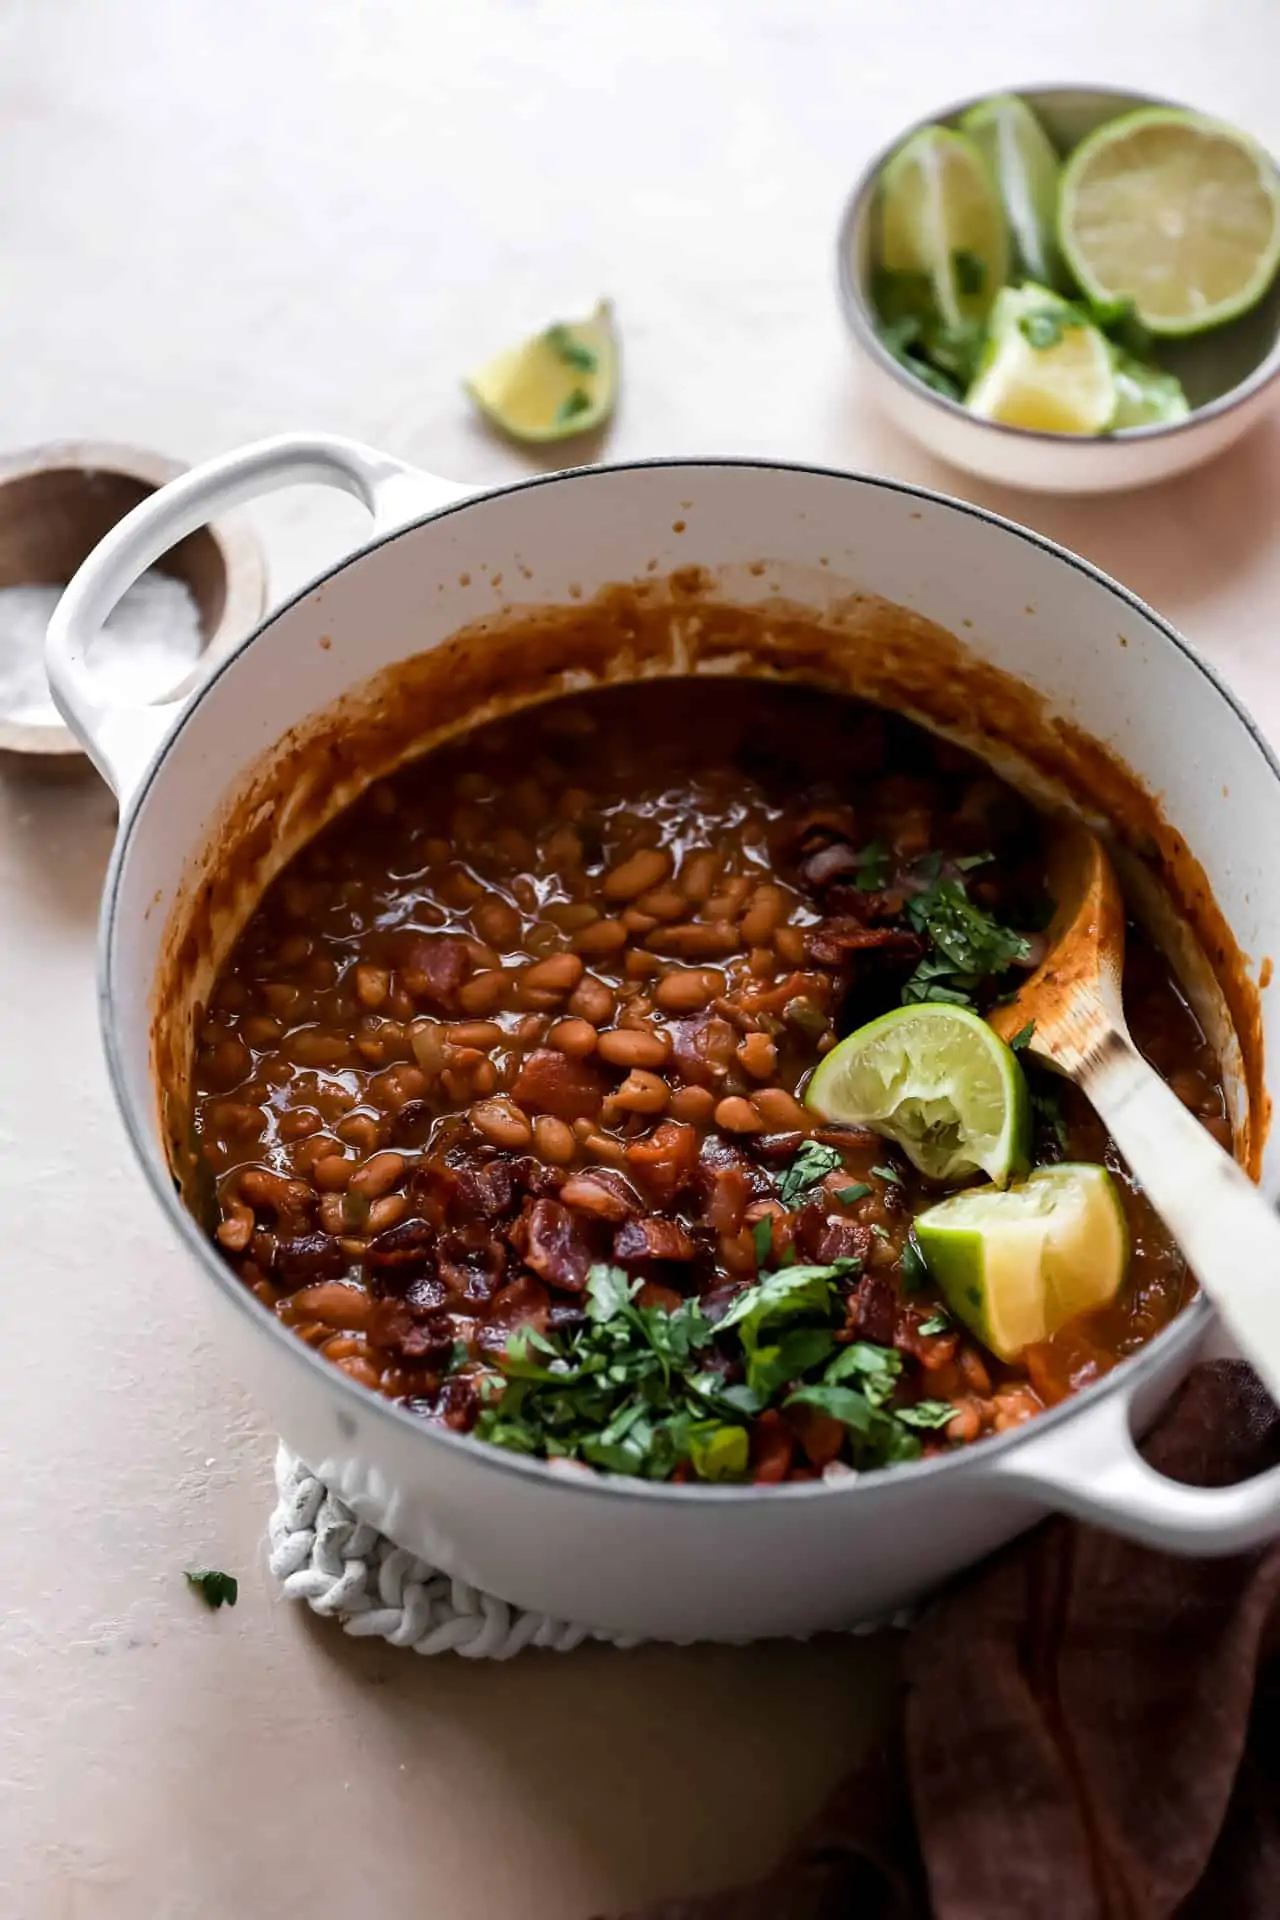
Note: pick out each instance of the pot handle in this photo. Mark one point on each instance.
(120, 739)
(1091, 1469)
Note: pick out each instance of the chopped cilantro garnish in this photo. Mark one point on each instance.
(1022, 1038)
(811, 1165)
(938, 1322)
(928, 1413)
(886, 1172)
(762, 1235)
(968, 944)
(912, 1268)
(969, 269)
(576, 402)
(1046, 1112)
(215, 1589)
(571, 351)
(1045, 326)
(875, 864)
(641, 1391)
(857, 1191)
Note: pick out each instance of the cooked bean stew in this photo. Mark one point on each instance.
(501, 1090)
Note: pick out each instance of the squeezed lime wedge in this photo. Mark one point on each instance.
(558, 383)
(1146, 396)
(1174, 211)
(1016, 1264)
(1044, 367)
(939, 1083)
(939, 222)
(1025, 166)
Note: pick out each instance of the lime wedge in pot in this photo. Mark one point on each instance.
(1016, 1264)
(939, 222)
(1146, 396)
(1025, 167)
(938, 1082)
(1045, 367)
(558, 383)
(1174, 211)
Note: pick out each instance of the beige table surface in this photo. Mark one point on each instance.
(220, 219)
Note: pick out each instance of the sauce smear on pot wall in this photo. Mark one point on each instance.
(501, 1086)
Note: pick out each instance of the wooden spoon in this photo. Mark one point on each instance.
(1227, 1230)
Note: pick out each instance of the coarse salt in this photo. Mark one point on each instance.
(147, 646)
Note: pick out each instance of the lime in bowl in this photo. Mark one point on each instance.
(1067, 289)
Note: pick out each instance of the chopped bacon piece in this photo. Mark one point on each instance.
(822, 1237)
(432, 966)
(559, 1084)
(831, 944)
(471, 1261)
(553, 1242)
(820, 1436)
(522, 1303)
(772, 1447)
(872, 1311)
(424, 1337)
(398, 1255)
(652, 1239)
(310, 1257)
(601, 1193)
(667, 1161)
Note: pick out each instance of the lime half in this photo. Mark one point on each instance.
(940, 219)
(936, 1080)
(558, 383)
(1176, 212)
(1025, 166)
(1044, 367)
(1015, 1265)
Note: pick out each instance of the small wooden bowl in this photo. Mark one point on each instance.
(57, 502)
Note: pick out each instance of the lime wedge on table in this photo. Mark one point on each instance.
(1015, 1265)
(1025, 167)
(558, 383)
(1044, 367)
(1176, 212)
(1146, 396)
(939, 219)
(937, 1081)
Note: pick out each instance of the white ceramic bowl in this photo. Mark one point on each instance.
(633, 1556)
(1230, 376)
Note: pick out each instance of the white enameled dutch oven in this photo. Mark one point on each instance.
(634, 1557)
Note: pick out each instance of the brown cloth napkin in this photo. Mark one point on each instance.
(1091, 1730)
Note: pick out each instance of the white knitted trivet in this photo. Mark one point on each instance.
(346, 1570)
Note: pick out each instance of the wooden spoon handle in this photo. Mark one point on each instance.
(1227, 1230)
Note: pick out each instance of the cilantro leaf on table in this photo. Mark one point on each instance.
(215, 1589)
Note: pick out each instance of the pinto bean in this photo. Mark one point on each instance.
(781, 1112)
(502, 1122)
(373, 984)
(559, 974)
(696, 939)
(575, 1036)
(688, 989)
(554, 1140)
(336, 1303)
(693, 1104)
(640, 1092)
(736, 1115)
(481, 1034)
(765, 913)
(605, 936)
(633, 1047)
(758, 1055)
(497, 922)
(592, 1000)
(648, 867)
(378, 1176)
